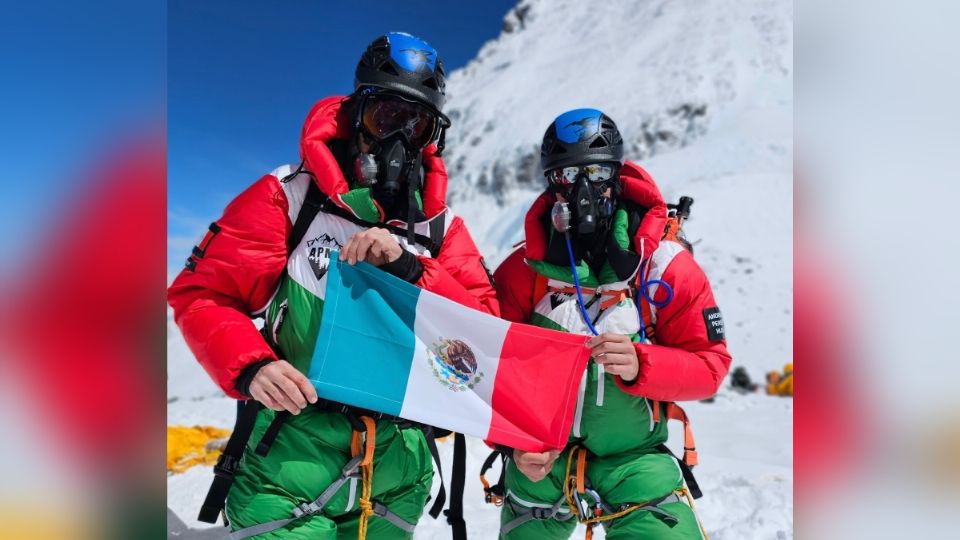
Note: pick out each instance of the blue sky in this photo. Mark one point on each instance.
(242, 76)
(77, 77)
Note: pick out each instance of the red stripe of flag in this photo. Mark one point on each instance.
(535, 390)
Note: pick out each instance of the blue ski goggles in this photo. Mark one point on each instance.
(595, 173)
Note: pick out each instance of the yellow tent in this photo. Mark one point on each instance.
(197, 445)
(781, 384)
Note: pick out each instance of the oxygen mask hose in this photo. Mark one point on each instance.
(644, 291)
(576, 285)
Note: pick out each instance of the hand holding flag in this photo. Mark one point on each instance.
(389, 346)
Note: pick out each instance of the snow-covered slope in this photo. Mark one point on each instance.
(703, 92)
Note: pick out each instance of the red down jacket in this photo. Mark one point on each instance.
(242, 263)
(687, 362)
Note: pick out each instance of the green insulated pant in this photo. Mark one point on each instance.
(630, 477)
(306, 457)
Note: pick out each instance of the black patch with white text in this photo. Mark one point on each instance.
(714, 322)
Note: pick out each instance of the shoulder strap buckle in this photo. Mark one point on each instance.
(226, 466)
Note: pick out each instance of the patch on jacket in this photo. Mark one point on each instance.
(320, 249)
(319, 260)
(714, 322)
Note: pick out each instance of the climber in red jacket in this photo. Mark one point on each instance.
(376, 185)
(596, 261)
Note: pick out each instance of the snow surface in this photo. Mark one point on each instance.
(703, 93)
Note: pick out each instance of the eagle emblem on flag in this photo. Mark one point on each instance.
(454, 364)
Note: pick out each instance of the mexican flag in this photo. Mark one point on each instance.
(392, 347)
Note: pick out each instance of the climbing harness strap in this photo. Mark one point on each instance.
(576, 486)
(360, 466)
(608, 297)
(527, 511)
(380, 510)
(348, 472)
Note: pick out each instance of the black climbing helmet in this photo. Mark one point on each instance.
(406, 65)
(579, 137)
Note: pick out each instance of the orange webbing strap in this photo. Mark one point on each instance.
(649, 327)
(581, 486)
(674, 412)
(581, 470)
(612, 298)
(641, 299)
(672, 229)
(489, 495)
(368, 439)
(609, 298)
(655, 407)
(586, 291)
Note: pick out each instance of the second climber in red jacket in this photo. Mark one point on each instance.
(371, 167)
(595, 261)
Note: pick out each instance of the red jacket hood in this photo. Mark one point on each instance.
(328, 120)
(637, 186)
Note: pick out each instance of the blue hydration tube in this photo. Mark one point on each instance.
(644, 289)
(576, 285)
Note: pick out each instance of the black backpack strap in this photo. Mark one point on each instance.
(263, 447)
(457, 480)
(312, 202)
(433, 244)
(437, 506)
(226, 467)
(686, 471)
(438, 227)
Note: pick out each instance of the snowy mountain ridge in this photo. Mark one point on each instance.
(660, 69)
(702, 92)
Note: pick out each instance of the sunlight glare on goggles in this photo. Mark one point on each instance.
(595, 172)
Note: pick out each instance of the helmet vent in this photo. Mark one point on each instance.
(598, 143)
(431, 83)
(387, 67)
